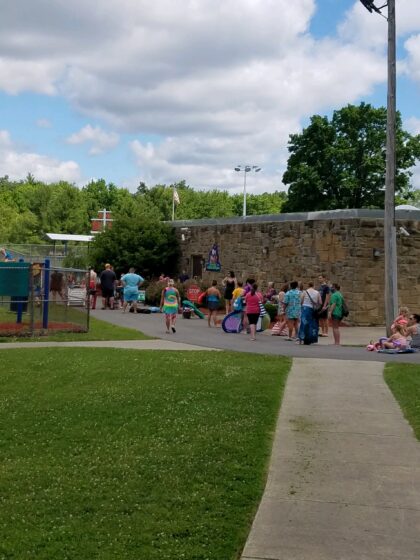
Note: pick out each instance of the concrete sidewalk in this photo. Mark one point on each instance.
(344, 478)
(127, 344)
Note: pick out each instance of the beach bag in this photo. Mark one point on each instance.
(344, 309)
(276, 331)
(263, 310)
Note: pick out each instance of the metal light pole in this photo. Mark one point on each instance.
(390, 232)
(246, 169)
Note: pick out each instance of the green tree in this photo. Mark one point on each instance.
(264, 203)
(340, 163)
(66, 211)
(140, 239)
(99, 195)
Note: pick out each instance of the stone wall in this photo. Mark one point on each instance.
(299, 247)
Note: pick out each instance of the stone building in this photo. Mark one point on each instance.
(346, 245)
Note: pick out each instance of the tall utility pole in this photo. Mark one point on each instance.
(390, 232)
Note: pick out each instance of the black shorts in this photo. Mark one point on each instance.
(107, 292)
(323, 314)
(253, 318)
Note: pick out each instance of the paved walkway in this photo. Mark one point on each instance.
(127, 344)
(344, 478)
(196, 332)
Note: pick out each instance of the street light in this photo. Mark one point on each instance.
(390, 233)
(246, 169)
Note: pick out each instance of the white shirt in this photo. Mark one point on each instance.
(315, 295)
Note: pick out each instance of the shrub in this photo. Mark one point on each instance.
(154, 291)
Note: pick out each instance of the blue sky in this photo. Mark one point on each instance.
(133, 91)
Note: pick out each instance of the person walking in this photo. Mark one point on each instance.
(292, 306)
(108, 280)
(131, 283)
(213, 301)
(309, 326)
(57, 285)
(253, 299)
(336, 312)
(325, 293)
(92, 292)
(229, 284)
(169, 304)
(281, 309)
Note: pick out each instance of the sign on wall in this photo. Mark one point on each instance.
(213, 262)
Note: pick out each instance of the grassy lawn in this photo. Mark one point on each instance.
(128, 455)
(99, 330)
(404, 382)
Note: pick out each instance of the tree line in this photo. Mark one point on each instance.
(31, 208)
(336, 162)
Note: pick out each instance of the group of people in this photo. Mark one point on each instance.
(305, 312)
(127, 288)
(405, 333)
(248, 296)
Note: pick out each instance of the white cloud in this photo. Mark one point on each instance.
(370, 30)
(100, 140)
(37, 76)
(218, 82)
(412, 125)
(17, 164)
(412, 66)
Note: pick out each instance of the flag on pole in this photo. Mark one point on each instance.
(176, 197)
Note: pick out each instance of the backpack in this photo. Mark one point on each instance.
(345, 310)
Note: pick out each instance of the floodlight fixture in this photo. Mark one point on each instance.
(246, 169)
(371, 7)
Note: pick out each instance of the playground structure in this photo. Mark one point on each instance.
(38, 299)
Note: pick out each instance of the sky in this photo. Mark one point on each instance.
(164, 91)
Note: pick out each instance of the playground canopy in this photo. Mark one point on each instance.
(65, 237)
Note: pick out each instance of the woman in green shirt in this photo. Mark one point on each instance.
(336, 312)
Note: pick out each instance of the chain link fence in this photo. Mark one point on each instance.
(56, 254)
(38, 299)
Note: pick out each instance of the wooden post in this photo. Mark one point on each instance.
(390, 249)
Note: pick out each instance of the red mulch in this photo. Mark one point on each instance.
(23, 329)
